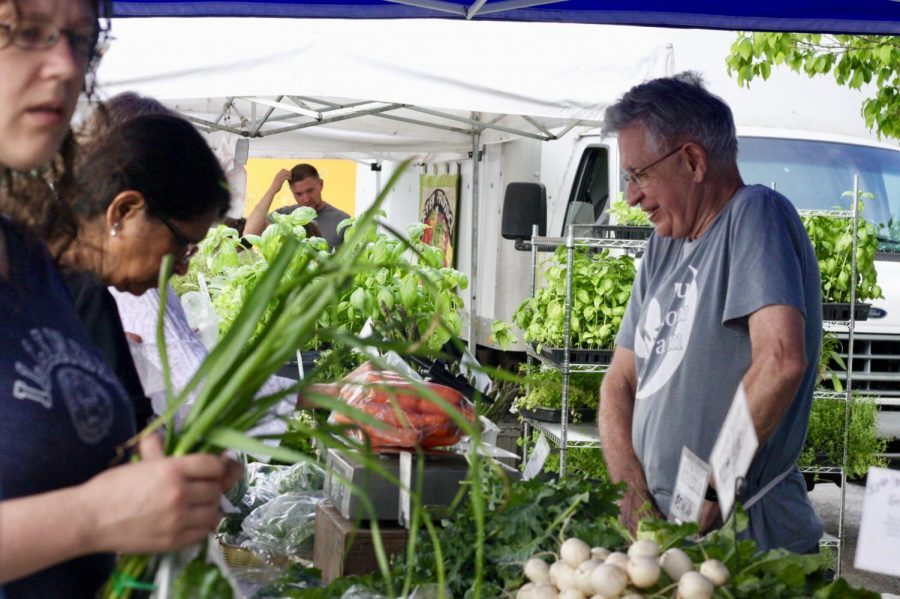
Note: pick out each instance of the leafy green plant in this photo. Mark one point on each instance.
(776, 574)
(629, 216)
(601, 287)
(543, 389)
(581, 462)
(406, 291)
(832, 239)
(527, 518)
(825, 438)
(404, 288)
(829, 359)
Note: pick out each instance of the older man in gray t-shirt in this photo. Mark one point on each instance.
(728, 293)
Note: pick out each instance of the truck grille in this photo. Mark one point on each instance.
(876, 365)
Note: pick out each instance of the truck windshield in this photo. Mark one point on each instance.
(816, 175)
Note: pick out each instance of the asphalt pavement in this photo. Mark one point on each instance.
(827, 497)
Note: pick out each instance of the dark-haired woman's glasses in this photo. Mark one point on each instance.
(189, 246)
(42, 36)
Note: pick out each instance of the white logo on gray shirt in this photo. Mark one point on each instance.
(666, 335)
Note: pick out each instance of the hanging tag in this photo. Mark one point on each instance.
(733, 451)
(405, 515)
(536, 462)
(878, 544)
(690, 488)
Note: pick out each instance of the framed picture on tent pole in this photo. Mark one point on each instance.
(438, 205)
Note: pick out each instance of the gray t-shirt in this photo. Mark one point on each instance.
(327, 219)
(687, 323)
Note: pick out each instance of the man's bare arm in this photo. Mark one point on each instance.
(614, 420)
(257, 220)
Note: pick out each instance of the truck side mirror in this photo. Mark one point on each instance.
(524, 205)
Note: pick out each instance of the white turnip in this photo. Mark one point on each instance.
(574, 551)
(715, 571)
(643, 571)
(643, 547)
(544, 590)
(600, 553)
(617, 558)
(675, 563)
(563, 576)
(537, 570)
(609, 580)
(571, 594)
(694, 585)
(525, 590)
(583, 576)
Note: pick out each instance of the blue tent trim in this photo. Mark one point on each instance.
(833, 16)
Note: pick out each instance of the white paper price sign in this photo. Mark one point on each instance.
(536, 462)
(879, 531)
(690, 488)
(734, 450)
(405, 515)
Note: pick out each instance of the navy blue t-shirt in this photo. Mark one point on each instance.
(63, 414)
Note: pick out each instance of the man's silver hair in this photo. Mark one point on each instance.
(675, 110)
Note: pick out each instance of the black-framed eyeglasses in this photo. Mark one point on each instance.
(634, 177)
(29, 35)
(189, 246)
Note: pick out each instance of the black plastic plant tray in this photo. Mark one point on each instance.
(841, 312)
(578, 356)
(625, 232)
(552, 415)
(290, 369)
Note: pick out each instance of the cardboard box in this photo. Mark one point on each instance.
(344, 547)
(442, 475)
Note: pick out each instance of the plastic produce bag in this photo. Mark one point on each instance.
(201, 315)
(412, 416)
(284, 526)
(266, 482)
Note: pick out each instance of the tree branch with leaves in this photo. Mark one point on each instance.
(853, 60)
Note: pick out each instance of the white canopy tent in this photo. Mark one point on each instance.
(378, 89)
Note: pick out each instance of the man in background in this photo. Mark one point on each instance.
(306, 186)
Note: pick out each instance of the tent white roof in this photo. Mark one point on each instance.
(381, 89)
(369, 85)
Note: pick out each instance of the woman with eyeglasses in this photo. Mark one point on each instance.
(66, 510)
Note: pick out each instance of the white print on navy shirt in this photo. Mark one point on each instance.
(666, 335)
(76, 373)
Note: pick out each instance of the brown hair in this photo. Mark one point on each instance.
(116, 111)
(303, 171)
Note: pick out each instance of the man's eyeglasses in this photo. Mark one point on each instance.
(634, 177)
(189, 246)
(42, 36)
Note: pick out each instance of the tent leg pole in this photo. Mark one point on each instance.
(473, 279)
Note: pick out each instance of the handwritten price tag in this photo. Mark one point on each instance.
(878, 544)
(690, 488)
(734, 450)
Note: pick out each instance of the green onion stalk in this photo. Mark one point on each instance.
(291, 296)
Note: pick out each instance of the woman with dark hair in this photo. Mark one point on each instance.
(149, 187)
(63, 415)
(156, 167)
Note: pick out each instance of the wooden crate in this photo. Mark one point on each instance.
(342, 548)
